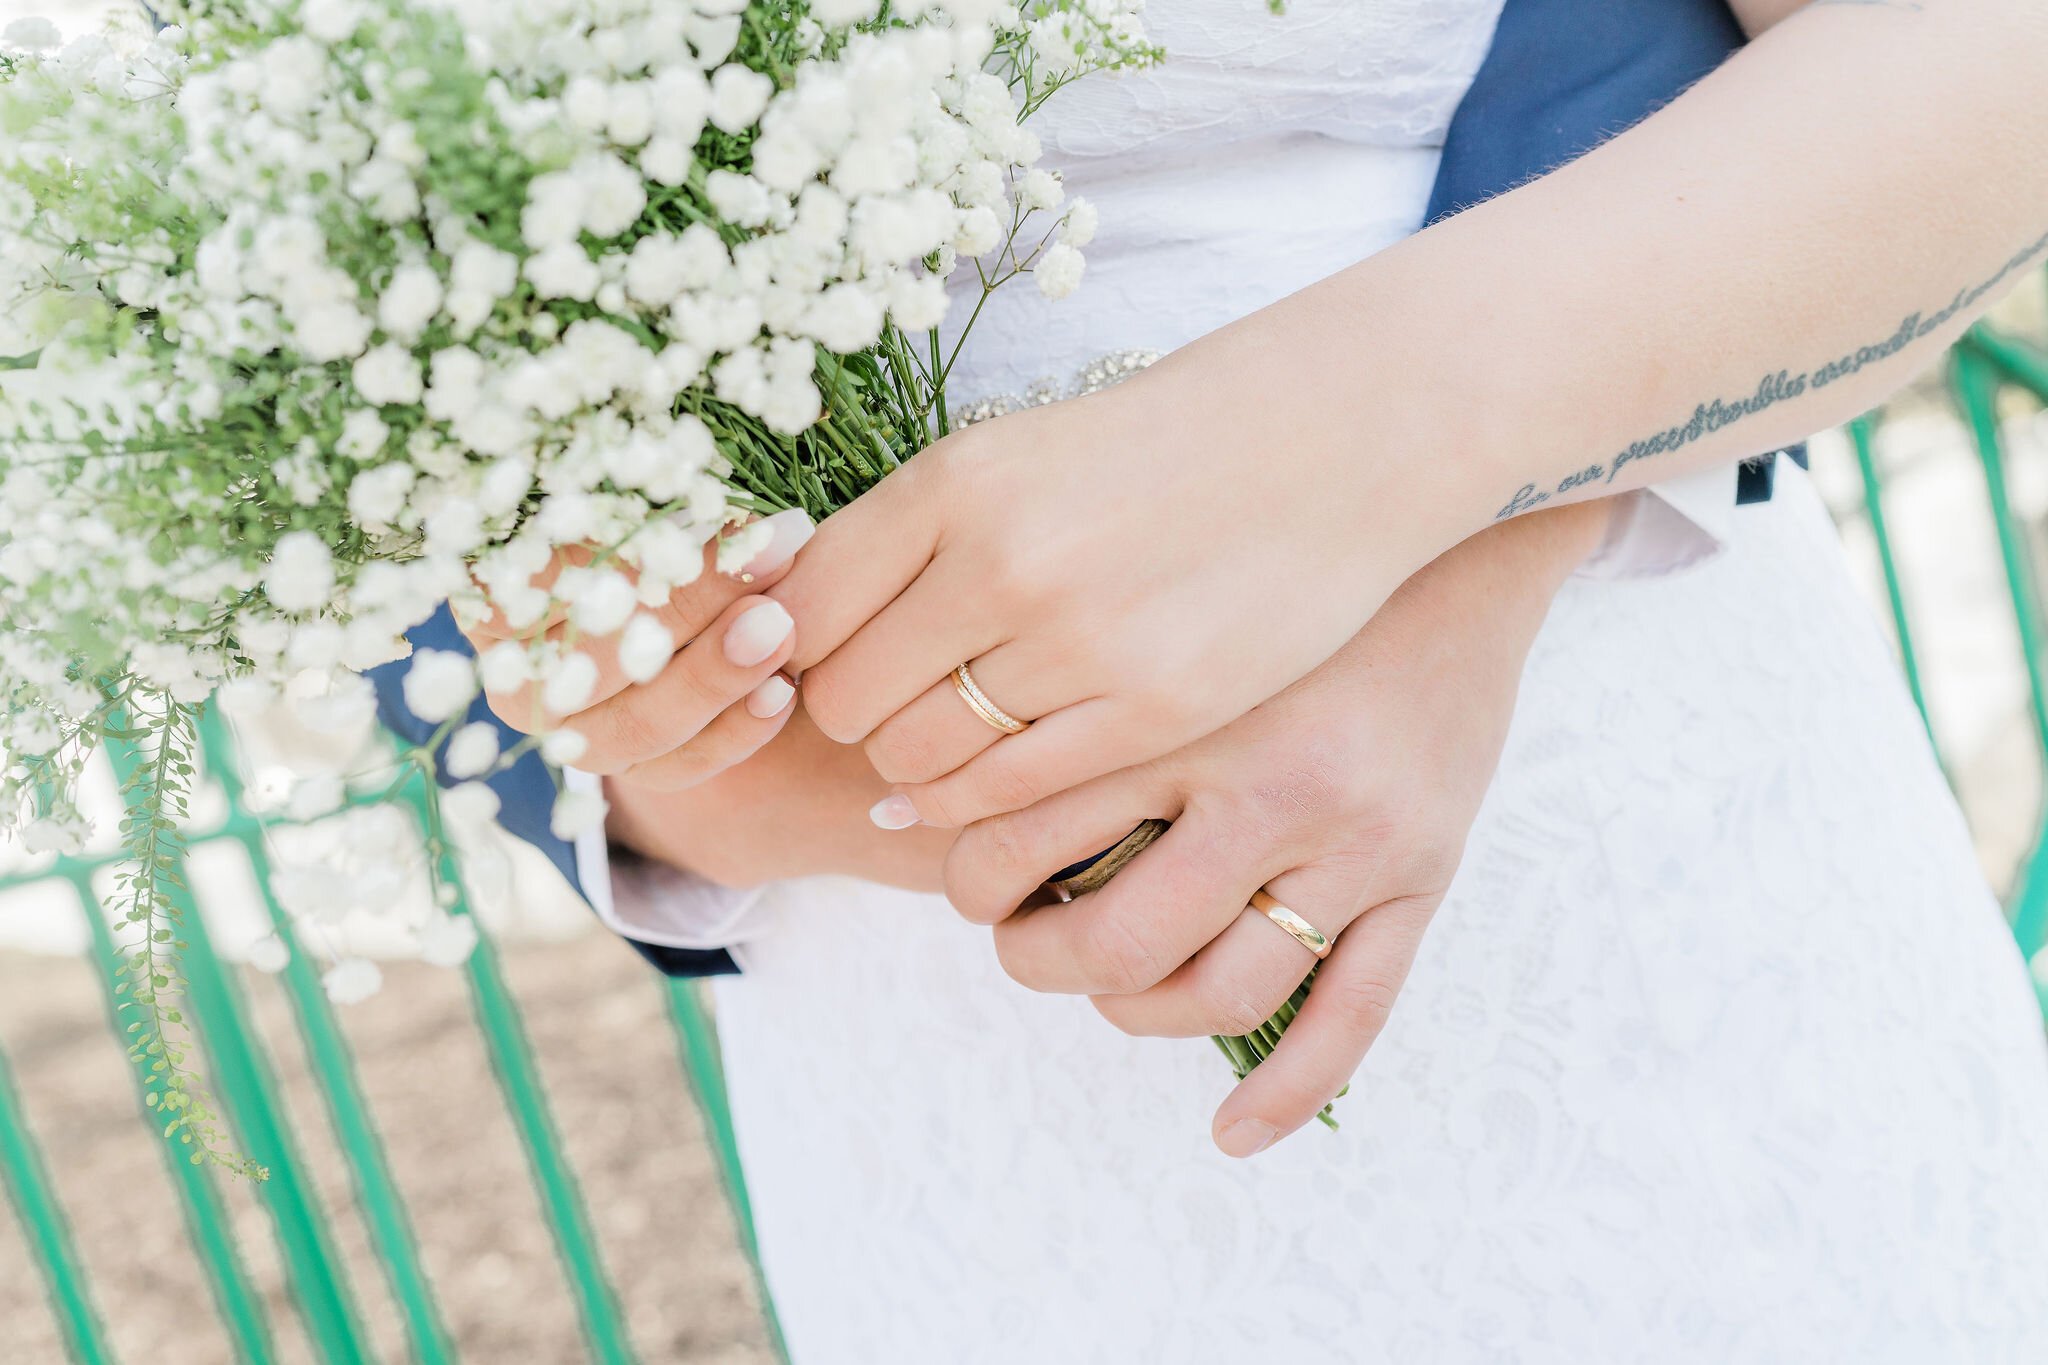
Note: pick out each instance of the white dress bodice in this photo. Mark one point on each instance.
(1266, 153)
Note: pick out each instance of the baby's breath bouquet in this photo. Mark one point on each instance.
(315, 314)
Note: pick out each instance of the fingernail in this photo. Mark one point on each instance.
(793, 530)
(770, 697)
(758, 633)
(893, 812)
(1247, 1137)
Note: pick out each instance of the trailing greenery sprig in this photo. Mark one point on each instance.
(315, 314)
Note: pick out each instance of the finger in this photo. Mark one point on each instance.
(1239, 978)
(1154, 915)
(910, 646)
(863, 557)
(685, 615)
(751, 640)
(1072, 745)
(788, 532)
(733, 736)
(1347, 1007)
(938, 732)
(996, 864)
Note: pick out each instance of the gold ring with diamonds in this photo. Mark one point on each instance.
(978, 702)
(1304, 932)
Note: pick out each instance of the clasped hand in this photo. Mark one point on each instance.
(1347, 794)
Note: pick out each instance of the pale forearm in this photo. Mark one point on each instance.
(1771, 254)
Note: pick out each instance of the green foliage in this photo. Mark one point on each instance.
(157, 795)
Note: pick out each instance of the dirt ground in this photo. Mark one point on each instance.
(596, 1017)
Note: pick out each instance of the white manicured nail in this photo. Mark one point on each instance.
(758, 633)
(793, 530)
(893, 812)
(770, 697)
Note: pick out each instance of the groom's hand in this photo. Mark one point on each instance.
(1347, 797)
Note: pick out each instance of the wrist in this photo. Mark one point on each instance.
(1504, 578)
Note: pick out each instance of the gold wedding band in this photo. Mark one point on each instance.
(1304, 932)
(978, 702)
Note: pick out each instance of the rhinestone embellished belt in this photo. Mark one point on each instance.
(1105, 372)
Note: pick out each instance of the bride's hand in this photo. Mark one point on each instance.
(1128, 571)
(720, 697)
(1348, 796)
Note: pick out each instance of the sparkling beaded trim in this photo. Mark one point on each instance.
(1093, 377)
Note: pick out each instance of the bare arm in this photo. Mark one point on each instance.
(1772, 253)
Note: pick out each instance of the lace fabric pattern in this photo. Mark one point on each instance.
(1717, 1050)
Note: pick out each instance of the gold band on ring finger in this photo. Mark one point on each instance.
(1304, 933)
(978, 702)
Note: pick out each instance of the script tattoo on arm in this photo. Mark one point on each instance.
(1777, 387)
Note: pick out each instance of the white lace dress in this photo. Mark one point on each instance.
(1717, 1051)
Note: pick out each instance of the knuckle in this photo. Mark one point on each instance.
(899, 753)
(940, 806)
(619, 733)
(1225, 1007)
(1361, 1003)
(1306, 795)
(693, 606)
(702, 683)
(1001, 850)
(673, 772)
(1011, 575)
(829, 705)
(1117, 957)
(1005, 787)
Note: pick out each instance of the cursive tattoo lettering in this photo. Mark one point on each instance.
(1778, 387)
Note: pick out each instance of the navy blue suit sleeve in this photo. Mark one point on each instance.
(526, 790)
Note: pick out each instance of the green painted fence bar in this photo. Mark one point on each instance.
(1977, 369)
(241, 1076)
(526, 1098)
(206, 1221)
(698, 1043)
(42, 1217)
(697, 1038)
(377, 1194)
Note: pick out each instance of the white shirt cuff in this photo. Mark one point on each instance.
(651, 902)
(1667, 527)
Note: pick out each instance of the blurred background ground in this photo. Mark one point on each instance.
(609, 1055)
(609, 1058)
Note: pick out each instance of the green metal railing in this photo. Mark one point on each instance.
(1983, 365)
(239, 1070)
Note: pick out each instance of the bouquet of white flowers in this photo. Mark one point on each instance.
(320, 313)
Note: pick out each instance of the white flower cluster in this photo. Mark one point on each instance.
(315, 314)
